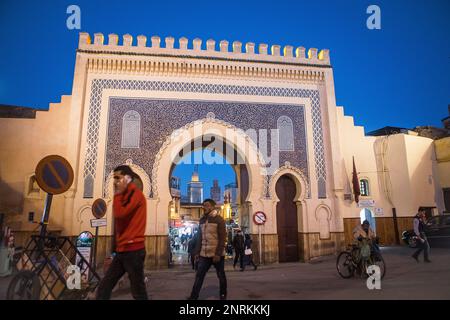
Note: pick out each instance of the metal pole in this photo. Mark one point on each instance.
(113, 238)
(394, 216)
(46, 214)
(260, 244)
(94, 255)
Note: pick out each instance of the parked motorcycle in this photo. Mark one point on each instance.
(410, 238)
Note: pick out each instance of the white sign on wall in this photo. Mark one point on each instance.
(98, 222)
(366, 203)
(379, 211)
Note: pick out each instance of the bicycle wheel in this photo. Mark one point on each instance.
(344, 265)
(24, 286)
(378, 260)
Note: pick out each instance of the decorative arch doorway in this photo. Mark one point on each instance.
(201, 154)
(287, 221)
(196, 181)
(192, 137)
(241, 145)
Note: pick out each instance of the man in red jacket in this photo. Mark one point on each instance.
(130, 213)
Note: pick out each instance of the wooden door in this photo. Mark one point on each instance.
(287, 224)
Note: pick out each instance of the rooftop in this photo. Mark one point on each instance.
(8, 111)
(204, 50)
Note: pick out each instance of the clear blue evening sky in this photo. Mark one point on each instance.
(207, 173)
(397, 76)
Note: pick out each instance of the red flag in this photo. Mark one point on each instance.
(355, 180)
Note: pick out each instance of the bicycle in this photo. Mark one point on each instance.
(16, 254)
(43, 271)
(26, 285)
(350, 261)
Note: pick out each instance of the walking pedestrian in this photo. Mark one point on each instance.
(419, 230)
(238, 245)
(248, 252)
(130, 213)
(210, 249)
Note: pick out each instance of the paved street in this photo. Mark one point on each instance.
(405, 279)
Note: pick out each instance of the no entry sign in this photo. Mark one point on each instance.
(259, 217)
(54, 174)
(99, 208)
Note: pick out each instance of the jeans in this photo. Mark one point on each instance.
(203, 266)
(239, 255)
(425, 246)
(193, 262)
(131, 262)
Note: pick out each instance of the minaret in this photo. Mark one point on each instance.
(195, 187)
(215, 193)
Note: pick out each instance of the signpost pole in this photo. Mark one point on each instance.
(94, 256)
(54, 175)
(259, 218)
(98, 210)
(46, 214)
(260, 244)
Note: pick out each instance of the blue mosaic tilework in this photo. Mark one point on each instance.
(99, 84)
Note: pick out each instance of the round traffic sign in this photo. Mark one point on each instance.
(259, 217)
(54, 174)
(99, 208)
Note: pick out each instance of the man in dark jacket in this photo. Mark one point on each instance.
(419, 230)
(238, 245)
(210, 249)
(248, 252)
(191, 246)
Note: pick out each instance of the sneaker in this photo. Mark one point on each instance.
(415, 258)
(223, 297)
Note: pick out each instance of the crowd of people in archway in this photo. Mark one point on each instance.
(181, 242)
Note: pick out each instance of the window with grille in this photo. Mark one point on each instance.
(364, 187)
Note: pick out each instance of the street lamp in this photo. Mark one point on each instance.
(226, 208)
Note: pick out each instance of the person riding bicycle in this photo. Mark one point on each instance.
(366, 239)
(361, 255)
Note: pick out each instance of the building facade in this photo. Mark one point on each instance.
(273, 112)
(232, 193)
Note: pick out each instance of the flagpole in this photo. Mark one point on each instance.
(355, 182)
